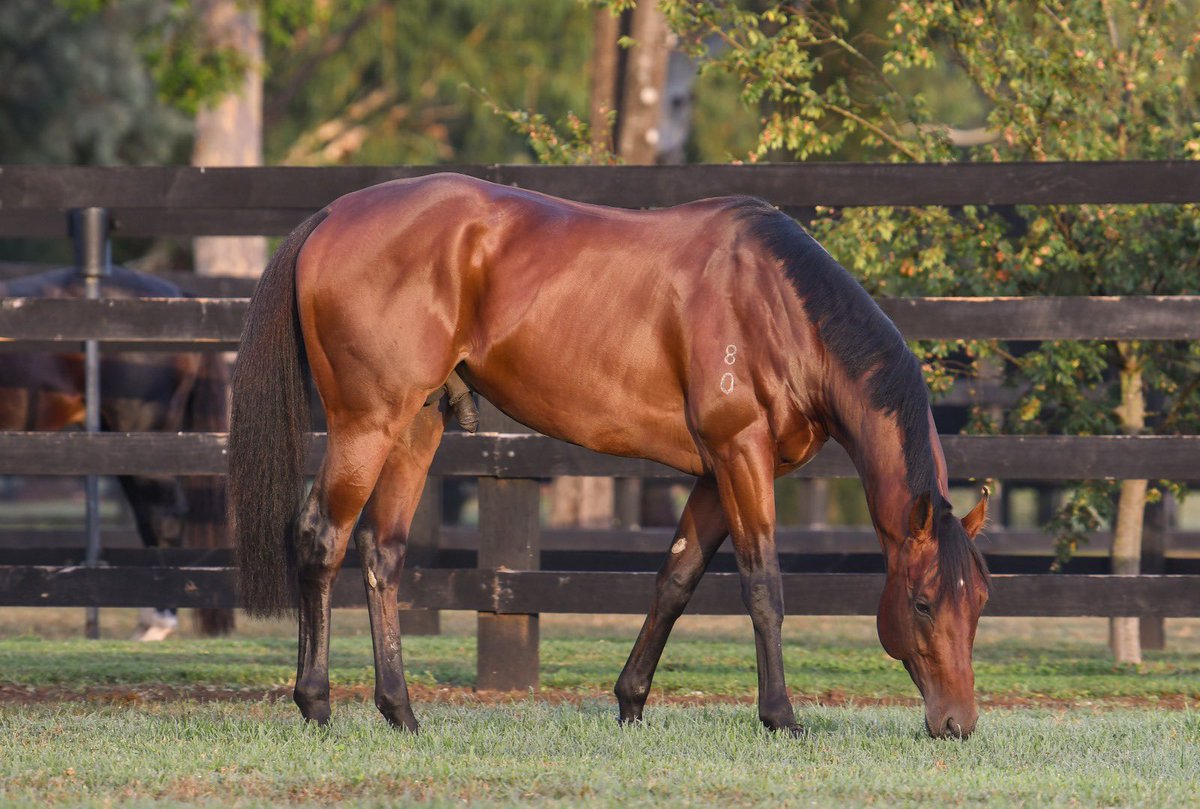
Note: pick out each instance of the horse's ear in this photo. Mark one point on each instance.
(973, 522)
(920, 522)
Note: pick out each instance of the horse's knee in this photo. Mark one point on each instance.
(677, 585)
(763, 596)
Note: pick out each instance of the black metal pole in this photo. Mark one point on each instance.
(89, 229)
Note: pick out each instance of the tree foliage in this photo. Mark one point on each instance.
(1063, 80)
(75, 88)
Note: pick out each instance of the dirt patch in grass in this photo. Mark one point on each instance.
(451, 695)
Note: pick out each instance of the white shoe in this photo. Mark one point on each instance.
(155, 625)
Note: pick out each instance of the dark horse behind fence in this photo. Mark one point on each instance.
(716, 337)
(139, 391)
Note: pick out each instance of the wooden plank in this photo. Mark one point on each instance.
(582, 557)
(853, 594)
(204, 286)
(421, 553)
(787, 184)
(200, 321)
(114, 346)
(163, 320)
(841, 540)
(1054, 457)
(1152, 317)
(215, 587)
(507, 646)
(506, 592)
(143, 223)
(1152, 626)
(836, 540)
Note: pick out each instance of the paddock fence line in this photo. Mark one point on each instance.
(506, 587)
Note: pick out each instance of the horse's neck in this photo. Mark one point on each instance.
(874, 443)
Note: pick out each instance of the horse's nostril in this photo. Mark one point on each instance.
(954, 729)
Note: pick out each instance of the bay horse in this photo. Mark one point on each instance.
(715, 337)
(41, 390)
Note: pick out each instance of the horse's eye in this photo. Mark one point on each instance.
(923, 608)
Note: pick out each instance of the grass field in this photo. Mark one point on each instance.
(197, 722)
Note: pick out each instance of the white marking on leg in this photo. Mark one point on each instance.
(679, 545)
(371, 580)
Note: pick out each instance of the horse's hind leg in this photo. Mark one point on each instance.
(382, 537)
(355, 454)
(702, 529)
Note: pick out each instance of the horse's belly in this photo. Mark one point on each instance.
(584, 400)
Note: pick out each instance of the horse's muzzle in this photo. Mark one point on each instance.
(951, 728)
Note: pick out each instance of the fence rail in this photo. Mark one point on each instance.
(186, 201)
(520, 593)
(200, 321)
(516, 456)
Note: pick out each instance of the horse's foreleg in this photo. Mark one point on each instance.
(745, 477)
(352, 462)
(382, 537)
(702, 529)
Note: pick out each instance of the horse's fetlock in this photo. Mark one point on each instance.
(313, 702)
(632, 691)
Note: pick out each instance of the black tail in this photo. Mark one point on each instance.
(206, 495)
(266, 435)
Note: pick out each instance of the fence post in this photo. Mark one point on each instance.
(423, 539)
(1151, 627)
(627, 503)
(89, 229)
(509, 536)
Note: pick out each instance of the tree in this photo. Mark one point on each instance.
(1065, 80)
(229, 130)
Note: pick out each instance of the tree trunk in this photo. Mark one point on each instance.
(229, 133)
(581, 502)
(1127, 533)
(606, 31)
(646, 76)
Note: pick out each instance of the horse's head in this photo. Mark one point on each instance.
(937, 584)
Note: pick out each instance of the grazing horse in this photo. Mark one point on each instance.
(139, 391)
(715, 337)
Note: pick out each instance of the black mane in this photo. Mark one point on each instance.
(866, 343)
(856, 331)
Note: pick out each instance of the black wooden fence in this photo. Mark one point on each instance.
(506, 587)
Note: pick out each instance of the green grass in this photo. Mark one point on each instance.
(538, 754)
(1009, 668)
(1089, 749)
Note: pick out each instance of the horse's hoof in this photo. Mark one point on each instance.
(405, 723)
(398, 715)
(795, 730)
(629, 721)
(318, 718)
